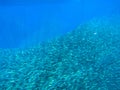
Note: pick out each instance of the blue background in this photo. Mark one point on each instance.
(25, 23)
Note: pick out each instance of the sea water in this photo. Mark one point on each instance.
(60, 45)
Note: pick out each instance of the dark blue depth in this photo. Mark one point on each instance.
(25, 23)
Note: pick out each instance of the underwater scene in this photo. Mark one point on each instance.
(59, 45)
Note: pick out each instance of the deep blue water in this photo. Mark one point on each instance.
(87, 58)
(24, 23)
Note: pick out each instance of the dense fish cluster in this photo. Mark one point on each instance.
(87, 58)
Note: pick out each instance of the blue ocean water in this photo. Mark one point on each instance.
(25, 23)
(60, 45)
